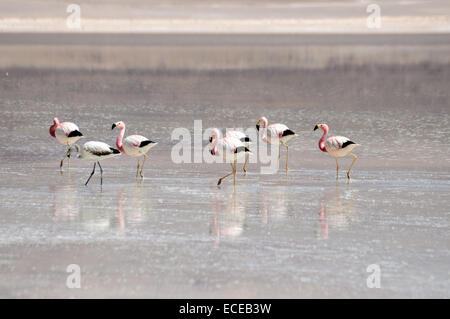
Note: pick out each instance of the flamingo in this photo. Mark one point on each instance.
(336, 146)
(96, 151)
(67, 133)
(229, 148)
(235, 134)
(133, 145)
(282, 133)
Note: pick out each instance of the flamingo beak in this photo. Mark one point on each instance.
(257, 127)
(316, 127)
(113, 126)
(210, 139)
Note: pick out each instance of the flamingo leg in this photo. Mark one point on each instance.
(222, 178)
(287, 157)
(62, 161)
(137, 169)
(90, 175)
(142, 166)
(234, 172)
(245, 164)
(354, 160)
(337, 168)
(279, 151)
(101, 173)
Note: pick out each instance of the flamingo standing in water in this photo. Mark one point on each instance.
(133, 145)
(96, 151)
(67, 133)
(336, 146)
(230, 148)
(234, 134)
(276, 134)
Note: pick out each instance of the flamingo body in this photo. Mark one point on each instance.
(240, 136)
(282, 133)
(230, 148)
(133, 145)
(67, 133)
(336, 146)
(276, 133)
(137, 145)
(95, 151)
(339, 146)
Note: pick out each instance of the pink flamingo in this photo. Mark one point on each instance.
(234, 134)
(336, 146)
(67, 133)
(276, 134)
(230, 148)
(133, 145)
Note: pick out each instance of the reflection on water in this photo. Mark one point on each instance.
(272, 204)
(230, 210)
(99, 211)
(229, 216)
(337, 209)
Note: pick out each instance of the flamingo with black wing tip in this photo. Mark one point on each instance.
(336, 146)
(133, 145)
(96, 151)
(215, 133)
(67, 133)
(230, 148)
(276, 134)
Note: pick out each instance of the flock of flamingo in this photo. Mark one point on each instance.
(233, 145)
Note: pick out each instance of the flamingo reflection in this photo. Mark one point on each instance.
(229, 218)
(273, 205)
(336, 212)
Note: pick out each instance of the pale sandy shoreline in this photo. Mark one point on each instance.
(405, 24)
(217, 16)
(112, 51)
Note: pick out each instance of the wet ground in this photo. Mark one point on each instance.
(176, 234)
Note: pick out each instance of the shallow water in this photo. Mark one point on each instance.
(176, 234)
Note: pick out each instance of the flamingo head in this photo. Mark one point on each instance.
(53, 127)
(262, 122)
(214, 135)
(119, 124)
(323, 127)
(73, 148)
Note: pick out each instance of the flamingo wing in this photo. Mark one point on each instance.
(69, 127)
(239, 135)
(276, 129)
(136, 141)
(336, 143)
(99, 149)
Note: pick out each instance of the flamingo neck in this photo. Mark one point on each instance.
(264, 131)
(217, 135)
(119, 140)
(322, 140)
(52, 130)
(214, 144)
